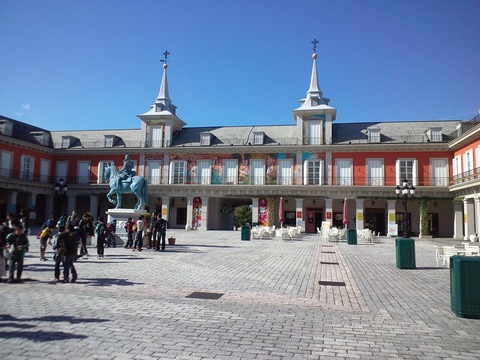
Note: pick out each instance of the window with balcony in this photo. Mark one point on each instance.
(375, 173)
(26, 167)
(344, 172)
(6, 163)
(314, 132)
(156, 136)
(439, 172)
(230, 172)
(44, 170)
(313, 172)
(154, 172)
(102, 166)
(178, 172)
(257, 172)
(406, 169)
(83, 172)
(434, 134)
(285, 172)
(204, 174)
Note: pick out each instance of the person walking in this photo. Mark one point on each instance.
(139, 236)
(151, 231)
(46, 237)
(111, 230)
(59, 247)
(161, 228)
(86, 230)
(71, 247)
(4, 232)
(17, 245)
(101, 233)
(129, 230)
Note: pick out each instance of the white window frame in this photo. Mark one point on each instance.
(439, 172)
(230, 171)
(27, 165)
(285, 172)
(109, 139)
(6, 161)
(66, 141)
(154, 172)
(344, 172)
(258, 138)
(374, 136)
(313, 172)
(401, 171)
(178, 172)
(83, 172)
(102, 164)
(375, 172)
(156, 136)
(204, 172)
(205, 138)
(314, 132)
(257, 169)
(45, 165)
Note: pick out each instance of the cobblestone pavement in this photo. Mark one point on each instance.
(264, 301)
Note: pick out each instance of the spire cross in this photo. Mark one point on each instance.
(315, 42)
(166, 53)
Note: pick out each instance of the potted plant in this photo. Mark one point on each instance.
(424, 225)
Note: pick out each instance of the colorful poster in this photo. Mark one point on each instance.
(197, 213)
(262, 212)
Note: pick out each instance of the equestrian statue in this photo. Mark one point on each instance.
(125, 181)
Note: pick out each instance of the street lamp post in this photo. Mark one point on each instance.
(61, 189)
(404, 191)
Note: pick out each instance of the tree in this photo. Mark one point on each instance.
(242, 215)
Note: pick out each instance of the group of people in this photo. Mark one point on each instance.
(155, 228)
(68, 235)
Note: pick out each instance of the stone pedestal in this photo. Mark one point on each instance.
(122, 215)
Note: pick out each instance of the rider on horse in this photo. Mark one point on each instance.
(126, 173)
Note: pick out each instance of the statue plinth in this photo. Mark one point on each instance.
(122, 215)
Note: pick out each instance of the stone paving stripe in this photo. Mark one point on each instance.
(205, 295)
(328, 252)
(329, 263)
(332, 283)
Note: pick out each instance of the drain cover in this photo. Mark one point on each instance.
(205, 295)
(332, 283)
(329, 263)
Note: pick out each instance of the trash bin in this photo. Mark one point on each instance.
(352, 236)
(245, 232)
(465, 286)
(405, 249)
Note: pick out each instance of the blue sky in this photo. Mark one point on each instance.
(95, 64)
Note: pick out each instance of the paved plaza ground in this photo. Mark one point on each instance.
(262, 299)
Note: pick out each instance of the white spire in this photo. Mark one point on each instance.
(314, 88)
(163, 97)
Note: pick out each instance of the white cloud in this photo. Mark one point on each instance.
(27, 106)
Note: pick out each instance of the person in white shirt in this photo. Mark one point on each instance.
(139, 236)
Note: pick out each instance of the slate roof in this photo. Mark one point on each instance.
(25, 132)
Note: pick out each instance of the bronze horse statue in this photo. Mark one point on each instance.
(136, 185)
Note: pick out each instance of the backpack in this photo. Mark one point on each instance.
(4, 231)
(129, 227)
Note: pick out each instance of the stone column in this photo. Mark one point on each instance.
(329, 210)
(254, 212)
(72, 203)
(390, 213)
(189, 213)
(12, 202)
(204, 222)
(166, 208)
(299, 211)
(468, 218)
(94, 205)
(359, 214)
(477, 216)
(457, 220)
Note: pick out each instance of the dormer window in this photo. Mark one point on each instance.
(373, 134)
(205, 138)
(112, 140)
(43, 137)
(6, 127)
(434, 134)
(258, 137)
